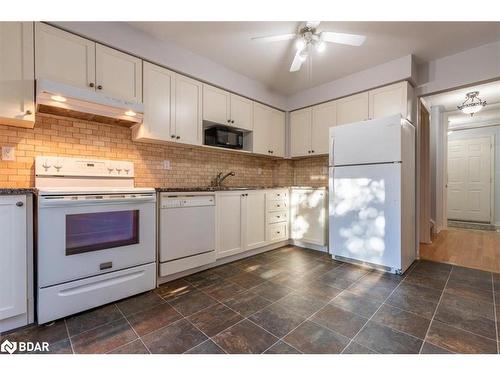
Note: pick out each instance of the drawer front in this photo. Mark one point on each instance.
(277, 206)
(277, 217)
(278, 232)
(277, 195)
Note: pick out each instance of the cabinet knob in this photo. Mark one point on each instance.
(172, 136)
(28, 112)
(178, 137)
(309, 151)
(312, 151)
(91, 84)
(232, 121)
(229, 121)
(99, 87)
(19, 204)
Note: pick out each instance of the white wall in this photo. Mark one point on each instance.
(465, 68)
(380, 75)
(437, 128)
(481, 132)
(123, 36)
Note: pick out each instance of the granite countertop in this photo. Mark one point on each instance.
(17, 191)
(228, 188)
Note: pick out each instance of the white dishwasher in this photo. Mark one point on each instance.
(186, 232)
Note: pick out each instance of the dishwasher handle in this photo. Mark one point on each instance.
(185, 202)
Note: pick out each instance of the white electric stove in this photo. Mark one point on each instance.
(96, 235)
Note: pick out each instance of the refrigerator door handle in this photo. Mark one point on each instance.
(330, 161)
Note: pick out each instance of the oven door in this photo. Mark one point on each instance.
(87, 235)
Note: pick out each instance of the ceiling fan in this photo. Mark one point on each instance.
(309, 36)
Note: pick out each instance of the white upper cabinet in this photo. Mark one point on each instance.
(277, 136)
(300, 132)
(158, 83)
(391, 100)
(216, 104)
(241, 110)
(13, 257)
(187, 120)
(324, 116)
(353, 108)
(118, 74)
(17, 74)
(64, 57)
(268, 131)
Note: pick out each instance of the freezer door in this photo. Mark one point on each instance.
(367, 142)
(365, 214)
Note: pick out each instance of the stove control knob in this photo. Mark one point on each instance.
(110, 170)
(127, 170)
(58, 167)
(46, 166)
(118, 170)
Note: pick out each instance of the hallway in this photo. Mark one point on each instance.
(465, 247)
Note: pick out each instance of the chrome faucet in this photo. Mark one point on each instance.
(217, 181)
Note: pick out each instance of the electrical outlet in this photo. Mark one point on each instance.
(8, 153)
(167, 165)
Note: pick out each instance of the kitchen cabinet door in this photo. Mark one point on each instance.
(254, 219)
(308, 215)
(300, 132)
(13, 256)
(388, 100)
(64, 57)
(187, 110)
(323, 117)
(229, 224)
(277, 134)
(118, 74)
(17, 84)
(216, 104)
(354, 108)
(261, 129)
(241, 112)
(158, 83)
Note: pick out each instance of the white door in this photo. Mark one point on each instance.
(255, 219)
(469, 180)
(300, 128)
(241, 112)
(261, 129)
(158, 84)
(187, 113)
(216, 104)
(64, 57)
(229, 228)
(323, 118)
(13, 262)
(118, 74)
(277, 134)
(388, 100)
(308, 216)
(354, 108)
(17, 74)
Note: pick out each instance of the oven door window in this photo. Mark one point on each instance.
(101, 230)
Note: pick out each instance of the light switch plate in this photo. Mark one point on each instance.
(8, 153)
(167, 165)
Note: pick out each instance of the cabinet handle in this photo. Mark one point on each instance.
(28, 112)
(229, 121)
(309, 151)
(312, 151)
(172, 136)
(278, 232)
(232, 121)
(19, 204)
(91, 84)
(178, 137)
(99, 87)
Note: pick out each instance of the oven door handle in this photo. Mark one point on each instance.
(55, 202)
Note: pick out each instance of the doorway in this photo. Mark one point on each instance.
(465, 179)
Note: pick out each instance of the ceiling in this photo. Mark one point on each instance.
(230, 44)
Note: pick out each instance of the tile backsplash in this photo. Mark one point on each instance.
(190, 166)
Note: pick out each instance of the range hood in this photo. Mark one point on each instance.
(65, 100)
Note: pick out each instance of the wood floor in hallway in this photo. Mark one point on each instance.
(465, 247)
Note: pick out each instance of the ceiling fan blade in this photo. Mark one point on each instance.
(312, 24)
(274, 38)
(342, 38)
(297, 62)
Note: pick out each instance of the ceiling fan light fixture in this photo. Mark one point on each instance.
(300, 44)
(320, 46)
(472, 103)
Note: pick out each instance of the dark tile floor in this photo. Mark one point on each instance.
(293, 300)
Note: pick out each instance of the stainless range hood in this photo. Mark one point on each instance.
(69, 101)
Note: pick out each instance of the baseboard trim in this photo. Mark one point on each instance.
(308, 245)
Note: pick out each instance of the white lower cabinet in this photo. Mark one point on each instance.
(308, 215)
(16, 259)
(250, 219)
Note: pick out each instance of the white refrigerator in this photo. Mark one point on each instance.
(372, 193)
